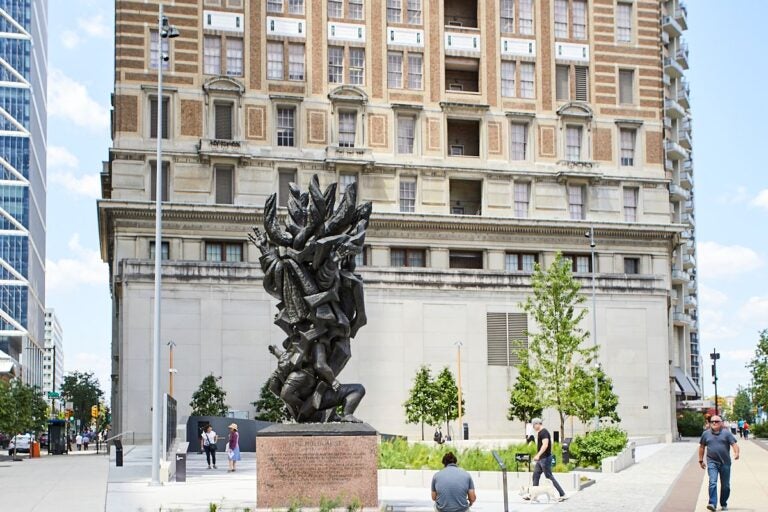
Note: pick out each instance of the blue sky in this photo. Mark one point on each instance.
(727, 76)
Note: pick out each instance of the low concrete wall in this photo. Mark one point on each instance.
(620, 462)
(486, 480)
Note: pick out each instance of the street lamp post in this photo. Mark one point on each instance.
(714, 356)
(458, 373)
(164, 31)
(591, 235)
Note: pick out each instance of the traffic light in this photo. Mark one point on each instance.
(94, 411)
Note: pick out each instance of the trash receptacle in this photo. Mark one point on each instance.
(567, 450)
(34, 449)
(556, 436)
(466, 431)
(181, 467)
(118, 453)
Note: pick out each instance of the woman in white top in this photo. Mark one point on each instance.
(209, 439)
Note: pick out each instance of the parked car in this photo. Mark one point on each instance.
(21, 443)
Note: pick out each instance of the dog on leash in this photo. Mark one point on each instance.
(533, 493)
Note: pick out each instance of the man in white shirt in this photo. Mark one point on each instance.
(79, 442)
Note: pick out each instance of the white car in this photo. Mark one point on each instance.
(21, 442)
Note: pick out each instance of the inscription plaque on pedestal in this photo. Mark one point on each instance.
(303, 463)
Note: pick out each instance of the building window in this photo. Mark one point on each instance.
(212, 55)
(356, 66)
(415, 72)
(525, 17)
(519, 262)
(234, 56)
(356, 9)
(579, 263)
(631, 265)
(153, 56)
(225, 189)
(296, 6)
(507, 338)
(624, 22)
(274, 5)
(508, 78)
(630, 204)
(576, 195)
(395, 70)
(335, 62)
(284, 177)
(462, 74)
(507, 15)
(627, 138)
(582, 83)
(414, 12)
(224, 251)
(345, 180)
(153, 117)
(274, 61)
(286, 126)
(578, 18)
(153, 181)
(579, 14)
(562, 83)
(335, 9)
(573, 143)
(561, 19)
(519, 137)
(522, 199)
(347, 128)
(394, 11)
(465, 259)
(407, 257)
(463, 137)
(164, 252)
(406, 133)
(223, 120)
(407, 194)
(296, 62)
(626, 86)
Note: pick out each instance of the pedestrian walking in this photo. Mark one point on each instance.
(86, 440)
(746, 430)
(208, 443)
(79, 442)
(438, 437)
(718, 443)
(543, 457)
(233, 447)
(741, 428)
(452, 488)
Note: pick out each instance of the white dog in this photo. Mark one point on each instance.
(533, 493)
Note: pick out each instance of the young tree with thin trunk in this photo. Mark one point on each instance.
(557, 345)
(525, 402)
(420, 406)
(208, 400)
(581, 396)
(447, 402)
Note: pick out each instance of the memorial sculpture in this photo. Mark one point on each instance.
(309, 266)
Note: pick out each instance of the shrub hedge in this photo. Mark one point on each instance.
(589, 450)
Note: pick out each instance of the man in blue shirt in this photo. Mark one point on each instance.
(718, 442)
(452, 488)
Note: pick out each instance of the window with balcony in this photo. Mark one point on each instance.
(284, 177)
(626, 86)
(631, 265)
(286, 126)
(630, 204)
(576, 199)
(276, 63)
(225, 184)
(465, 259)
(466, 196)
(570, 19)
(460, 13)
(153, 181)
(347, 128)
(153, 55)
(624, 22)
(522, 199)
(522, 23)
(519, 141)
(153, 117)
(223, 251)
(627, 142)
(406, 134)
(462, 74)
(580, 263)
(164, 252)
(407, 194)
(573, 142)
(402, 257)
(223, 120)
(463, 137)
(520, 262)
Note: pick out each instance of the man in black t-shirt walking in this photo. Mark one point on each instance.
(543, 457)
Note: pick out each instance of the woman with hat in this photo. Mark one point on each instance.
(233, 447)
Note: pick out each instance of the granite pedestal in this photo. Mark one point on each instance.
(304, 463)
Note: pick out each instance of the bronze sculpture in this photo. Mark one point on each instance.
(309, 267)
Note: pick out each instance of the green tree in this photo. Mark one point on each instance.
(209, 398)
(270, 407)
(557, 345)
(83, 390)
(447, 398)
(581, 396)
(420, 406)
(742, 406)
(525, 402)
(22, 408)
(758, 366)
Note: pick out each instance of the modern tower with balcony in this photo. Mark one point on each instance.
(23, 85)
(489, 136)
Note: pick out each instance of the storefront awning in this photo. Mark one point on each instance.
(685, 385)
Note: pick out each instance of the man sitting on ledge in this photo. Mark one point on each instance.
(452, 488)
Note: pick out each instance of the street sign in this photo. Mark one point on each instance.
(54, 394)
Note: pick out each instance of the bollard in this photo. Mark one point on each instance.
(503, 477)
(118, 453)
(181, 466)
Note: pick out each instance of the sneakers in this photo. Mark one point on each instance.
(711, 507)
(724, 507)
(562, 498)
(209, 466)
(214, 466)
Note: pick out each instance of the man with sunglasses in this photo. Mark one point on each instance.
(718, 442)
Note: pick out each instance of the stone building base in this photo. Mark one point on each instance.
(302, 464)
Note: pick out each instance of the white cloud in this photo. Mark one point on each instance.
(735, 196)
(755, 310)
(96, 26)
(85, 268)
(715, 326)
(712, 298)
(98, 364)
(70, 100)
(716, 260)
(88, 185)
(741, 355)
(761, 200)
(70, 39)
(59, 156)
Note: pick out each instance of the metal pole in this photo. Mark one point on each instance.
(458, 360)
(715, 356)
(171, 369)
(156, 403)
(594, 319)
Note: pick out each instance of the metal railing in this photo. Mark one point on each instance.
(120, 436)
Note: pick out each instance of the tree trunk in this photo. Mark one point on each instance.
(422, 430)
(562, 427)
